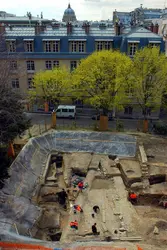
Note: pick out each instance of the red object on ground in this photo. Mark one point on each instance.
(14, 246)
(72, 224)
(75, 223)
(139, 248)
(80, 185)
(133, 196)
(78, 208)
(97, 248)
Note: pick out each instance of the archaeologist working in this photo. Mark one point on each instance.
(133, 197)
(77, 208)
(94, 230)
(80, 185)
(74, 225)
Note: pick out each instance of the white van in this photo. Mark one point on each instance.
(66, 111)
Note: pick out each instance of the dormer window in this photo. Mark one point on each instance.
(29, 45)
(132, 47)
(153, 44)
(11, 45)
(51, 45)
(77, 45)
(103, 44)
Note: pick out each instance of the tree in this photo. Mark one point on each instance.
(12, 119)
(149, 79)
(51, 85)
(12, 123)
(102, 78)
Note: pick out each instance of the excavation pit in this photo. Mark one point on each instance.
(46, 166)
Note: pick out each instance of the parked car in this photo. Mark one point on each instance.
(66, 111)
(97, 117)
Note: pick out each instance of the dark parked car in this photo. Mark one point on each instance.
(97, 117)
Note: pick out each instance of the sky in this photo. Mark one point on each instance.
(84, 9)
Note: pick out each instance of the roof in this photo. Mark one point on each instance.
(66, 106)
(21, 18)
(141, 32)
(62, 31)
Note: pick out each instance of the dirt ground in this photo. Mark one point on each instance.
(155, 147)
(108, 189)
(151, 216)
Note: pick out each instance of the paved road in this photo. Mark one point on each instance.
(81, 121)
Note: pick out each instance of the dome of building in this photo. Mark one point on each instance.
(69, 15)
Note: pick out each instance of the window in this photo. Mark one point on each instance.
(29, 46)
(55, 46)
(152, 45)
(73, 46)
(73, 65)
(51, 64)
(132, 48)
(30, 82)
(71, 110)
(15, 83)
(11, 45)
(81, 46)
(51, 46)
(30, 66)
(65, 110)
(48, 64)
(48, 46)
(56, 64)
(13, 65)
(128, 110)
(77, 46)
(129, 91)
(147, 111)
(106, 45)
(99, 46)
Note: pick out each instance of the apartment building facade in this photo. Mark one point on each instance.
(43, 47)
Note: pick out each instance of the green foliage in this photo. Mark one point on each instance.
(12, 119)
(101, 79)
(95, 126)
(5, 163)
(149, 78)
(119, 126)
(160, 128)
(51, 85)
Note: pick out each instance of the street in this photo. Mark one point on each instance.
(81, 121)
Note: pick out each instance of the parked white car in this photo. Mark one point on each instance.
(66, 111)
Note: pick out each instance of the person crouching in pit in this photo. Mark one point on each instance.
(77, 208)
(74, 225)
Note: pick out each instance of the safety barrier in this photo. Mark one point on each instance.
(21, 246)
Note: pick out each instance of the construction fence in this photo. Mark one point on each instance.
(22, 246)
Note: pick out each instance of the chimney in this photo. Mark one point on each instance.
(156, 28)
(69, 28)
(86, 26)
(2, 28)
(39, 28)
(117, 29)
(152, 27)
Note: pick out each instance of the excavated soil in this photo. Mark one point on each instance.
(107, 182)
